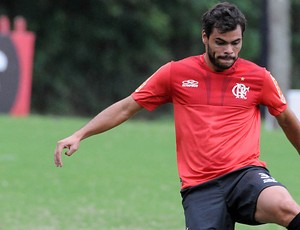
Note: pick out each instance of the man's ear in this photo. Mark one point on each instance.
(204, 38)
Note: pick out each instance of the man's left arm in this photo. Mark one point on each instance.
(291, 127)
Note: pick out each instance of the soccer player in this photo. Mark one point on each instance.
(216, 98)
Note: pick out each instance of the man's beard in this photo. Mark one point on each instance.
(215, 60)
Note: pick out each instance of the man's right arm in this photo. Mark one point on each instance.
(105, 120)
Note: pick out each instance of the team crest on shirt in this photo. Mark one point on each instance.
(240, 91)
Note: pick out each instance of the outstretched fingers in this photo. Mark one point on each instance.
(57, 154)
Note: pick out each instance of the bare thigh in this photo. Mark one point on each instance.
(276, 205)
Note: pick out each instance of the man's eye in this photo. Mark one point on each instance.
(235, 43)
(220, 43)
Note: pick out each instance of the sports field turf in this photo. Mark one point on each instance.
(125, 179)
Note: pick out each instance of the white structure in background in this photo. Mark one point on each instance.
(293, 97)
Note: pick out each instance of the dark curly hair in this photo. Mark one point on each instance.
(224, 17)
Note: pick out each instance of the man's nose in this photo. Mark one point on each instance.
(228, 49)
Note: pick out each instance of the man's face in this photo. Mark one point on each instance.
(222, 49)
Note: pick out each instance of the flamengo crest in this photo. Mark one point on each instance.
(240, 91)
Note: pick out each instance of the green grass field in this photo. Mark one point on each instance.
(125, 179)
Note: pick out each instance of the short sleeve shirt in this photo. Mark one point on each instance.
(216, 114)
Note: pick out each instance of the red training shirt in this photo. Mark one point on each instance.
(217, 116)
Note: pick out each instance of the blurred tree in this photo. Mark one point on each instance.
(279, 41)
(90, 53)
(279, 47)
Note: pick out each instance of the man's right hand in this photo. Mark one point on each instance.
(71, 143)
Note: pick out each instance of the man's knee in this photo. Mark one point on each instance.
(295, 223)
(275, 205)
(286, 211)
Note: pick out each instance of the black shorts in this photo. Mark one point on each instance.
(220, 203)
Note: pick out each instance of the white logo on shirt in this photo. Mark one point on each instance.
(266, 178)
(190, 83)
(240, 91)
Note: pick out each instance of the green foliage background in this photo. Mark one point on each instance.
(91, 53)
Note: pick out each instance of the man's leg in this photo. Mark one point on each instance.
(205, 208)
(275, 205)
